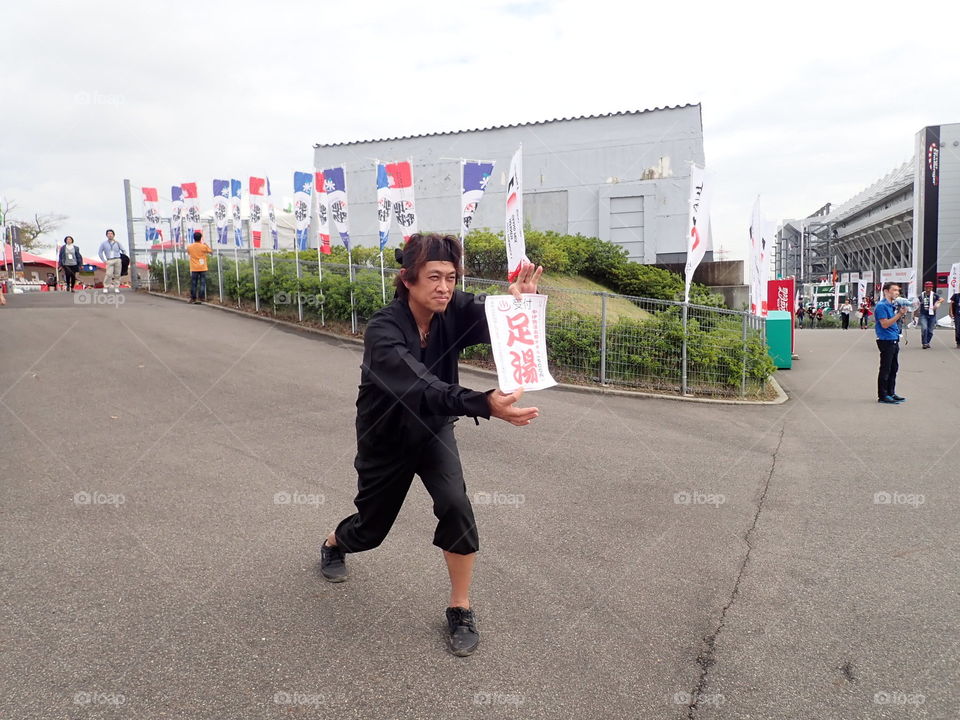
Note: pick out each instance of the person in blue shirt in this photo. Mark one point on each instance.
(887, 315)
(110, 251)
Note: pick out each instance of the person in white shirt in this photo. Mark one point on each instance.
(845, 311)
(930, 302)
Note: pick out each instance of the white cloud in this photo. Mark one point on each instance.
(803, 105)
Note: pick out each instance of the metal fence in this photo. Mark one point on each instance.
(592, 337)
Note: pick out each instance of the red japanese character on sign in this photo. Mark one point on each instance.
(519, 326)
(524, 367)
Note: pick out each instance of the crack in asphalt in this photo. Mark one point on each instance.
(705, 659)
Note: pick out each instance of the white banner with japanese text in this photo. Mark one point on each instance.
(519, 339)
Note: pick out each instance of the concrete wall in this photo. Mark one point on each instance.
(949, 220)
(946, 240)
(621, 177)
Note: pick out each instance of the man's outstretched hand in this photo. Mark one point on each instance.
(502, 406)
(527, 280)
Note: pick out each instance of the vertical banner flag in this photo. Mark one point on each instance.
(474, 177)
(272, 217)
(256, 188)
(151, 215)
(17, 250)
(861, 289)
(759, 262)
(953, 284)
(235, 213)
(302, 185)
(384, 209)
(336, 184)
(519, 339)
(221, 196)
(176, 214)
(400, 178)
(192, 201)
(323, 214)
(513, 232)
(698, 226)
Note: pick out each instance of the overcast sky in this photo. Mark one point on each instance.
(802, 103)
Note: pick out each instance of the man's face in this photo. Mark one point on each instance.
(110, 235)
(892, 293)
(435, 285)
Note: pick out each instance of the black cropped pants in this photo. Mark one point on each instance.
(889, 365)
(382, 485)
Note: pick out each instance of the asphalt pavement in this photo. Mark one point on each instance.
(169, 471)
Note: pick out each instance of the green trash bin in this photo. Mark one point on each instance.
(779, 335)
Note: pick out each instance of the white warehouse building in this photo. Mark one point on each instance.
(622, 177)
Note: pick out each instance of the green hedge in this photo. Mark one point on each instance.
(640, 353)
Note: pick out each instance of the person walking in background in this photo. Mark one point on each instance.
(800, 313)
(888, 316)
(930, 301)
(955, 315)
(70, 262)
(198, 252)
(864, 314)
(819, 316)
(845, 311)
(110, 252)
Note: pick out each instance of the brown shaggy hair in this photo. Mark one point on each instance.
(422, 247)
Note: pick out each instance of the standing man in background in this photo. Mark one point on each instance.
(888, 316)
(110, 252)
(955, 314)
(929, 302)
(198, 268)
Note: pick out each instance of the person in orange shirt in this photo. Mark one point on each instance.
(198, 268)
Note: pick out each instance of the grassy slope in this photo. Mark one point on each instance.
(589, 304)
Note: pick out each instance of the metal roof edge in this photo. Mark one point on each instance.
(514, 125)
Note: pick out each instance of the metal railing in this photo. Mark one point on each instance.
(592, 337)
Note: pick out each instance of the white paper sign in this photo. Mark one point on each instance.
(519, 339)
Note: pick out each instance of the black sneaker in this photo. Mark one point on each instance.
(887, 400)
(333, 564)
(462, 635)
(898, 398)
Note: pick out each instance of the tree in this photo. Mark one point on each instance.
(31, 231)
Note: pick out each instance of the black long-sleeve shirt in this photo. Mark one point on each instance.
(408, 392)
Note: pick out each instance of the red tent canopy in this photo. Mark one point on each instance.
(32, 259)
(29, 257)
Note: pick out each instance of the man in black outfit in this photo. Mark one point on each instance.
(408, 401)
(955, 314)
